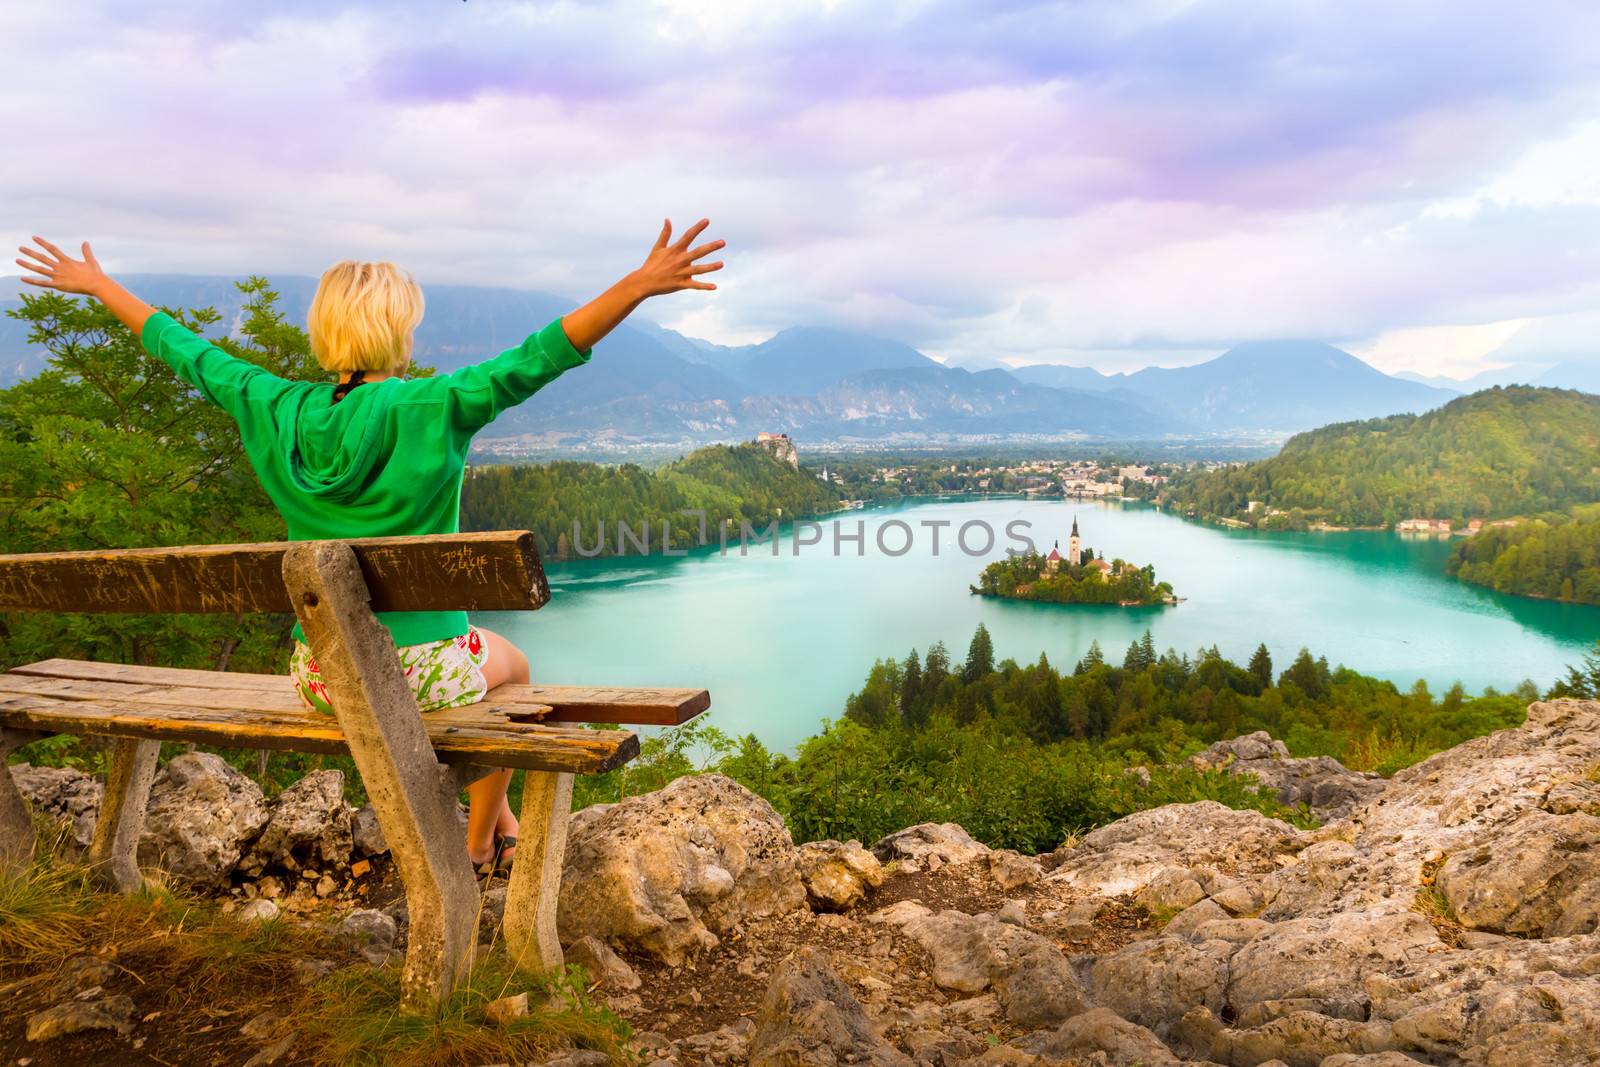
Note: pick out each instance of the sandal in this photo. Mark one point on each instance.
(499, 863)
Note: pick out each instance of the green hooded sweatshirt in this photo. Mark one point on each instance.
(385, 461)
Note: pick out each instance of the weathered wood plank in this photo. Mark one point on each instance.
(632, 705)
(498, 571)
(529, 746)
(535, 890)
(278, 698)
(391, 748)
(113, 854)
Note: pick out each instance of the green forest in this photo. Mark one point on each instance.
(1497, 453)
(1556, 557)
(1026, 576)
(1025, 755)
(575, 508)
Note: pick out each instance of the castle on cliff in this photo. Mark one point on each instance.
(780, 446)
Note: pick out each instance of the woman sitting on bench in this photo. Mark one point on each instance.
(380, 455)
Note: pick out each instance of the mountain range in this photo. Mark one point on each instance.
(651, 384)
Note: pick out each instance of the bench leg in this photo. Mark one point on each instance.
(535, 890)
(411, 795)
(114, 851)
(16, 821)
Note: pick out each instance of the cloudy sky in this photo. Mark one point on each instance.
(1113, 183)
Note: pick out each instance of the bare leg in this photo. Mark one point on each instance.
(489, 813)
(488, 799)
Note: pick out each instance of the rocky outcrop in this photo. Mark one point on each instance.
(202, 815)
(64, 795)
(666, 872)
(309, 827)
(810, 1018)
(837, 874)
(1330, 789)
(928, 845)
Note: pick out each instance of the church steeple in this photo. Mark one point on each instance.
(1074, 526)
(1074, 549)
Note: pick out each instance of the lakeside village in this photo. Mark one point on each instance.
(1079, 577)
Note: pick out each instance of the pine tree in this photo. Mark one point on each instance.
(1260, 667)
(980, 656)
(1091, 659)
(910, 689)
(1133, 659)
(1147, 649)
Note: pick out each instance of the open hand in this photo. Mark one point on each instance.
(61, 271)
(671, 267)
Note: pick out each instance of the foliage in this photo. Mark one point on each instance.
(1500, 452)
(1556, 557)
(580, 508)
(1026, 576)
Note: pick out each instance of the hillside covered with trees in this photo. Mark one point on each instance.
(1497, 453)
(1556, 557)
(574, 508)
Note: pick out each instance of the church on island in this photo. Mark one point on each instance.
(1082, 576)
(1075, 555)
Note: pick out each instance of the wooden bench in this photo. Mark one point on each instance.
(412, 765)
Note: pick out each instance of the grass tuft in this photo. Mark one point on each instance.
(206, 973)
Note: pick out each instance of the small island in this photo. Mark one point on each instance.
(1081, 577)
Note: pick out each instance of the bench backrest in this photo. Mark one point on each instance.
(498, 571)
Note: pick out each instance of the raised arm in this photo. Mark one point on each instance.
(480, 392)
(667, 269)
(233, 384)
(60, 271)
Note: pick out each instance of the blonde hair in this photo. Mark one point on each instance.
(362, 317)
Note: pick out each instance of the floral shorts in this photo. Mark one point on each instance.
(443, 674)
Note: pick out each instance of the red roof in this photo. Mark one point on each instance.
(1054, 555)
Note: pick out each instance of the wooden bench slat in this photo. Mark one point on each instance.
(631, 706)
(496, 571)
(507, 744)
(278, 698)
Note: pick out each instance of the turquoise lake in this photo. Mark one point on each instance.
(781, 641)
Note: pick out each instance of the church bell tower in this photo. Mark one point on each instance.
(1074, 548)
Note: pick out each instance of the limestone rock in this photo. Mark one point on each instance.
(366, 836)
(1190, 919)
(667, 871)
(1541, 877)
(929, 844)
(1100, 1030)
(202, 815)
(1012, 870)
(1132, 852)
(602, 965)
(370, 932)
(75, 1016)
(724, 1045)
(62, 794)
(1039, 988)
(1330, 789)
(837, 874)
(1301, 1039)
(1173, 889)
(1326, 960)
(309, 825)
(1154, 983)
(970, 952)
(810, 1018)
(258, 910)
